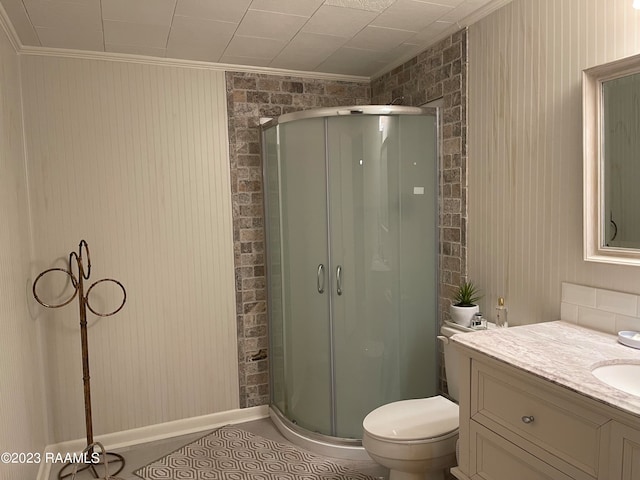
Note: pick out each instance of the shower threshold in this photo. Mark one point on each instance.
(314, 442)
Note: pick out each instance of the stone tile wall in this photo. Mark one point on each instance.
(440, 72)
(249, 97)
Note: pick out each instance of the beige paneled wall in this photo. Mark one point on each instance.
(525, 149)
(22, 419)
(134, 158)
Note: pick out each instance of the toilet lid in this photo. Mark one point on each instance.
(413, 419)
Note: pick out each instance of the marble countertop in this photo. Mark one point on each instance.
(562, 353)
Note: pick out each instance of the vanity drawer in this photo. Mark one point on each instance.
(540, 419)
(494, 458)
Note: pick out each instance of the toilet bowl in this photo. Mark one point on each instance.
(416, 439)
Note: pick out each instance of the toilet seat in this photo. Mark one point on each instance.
(421, 419)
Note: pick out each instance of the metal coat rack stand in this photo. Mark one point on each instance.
(76, 259)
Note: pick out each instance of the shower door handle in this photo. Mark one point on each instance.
(339, 280)
(320, 278)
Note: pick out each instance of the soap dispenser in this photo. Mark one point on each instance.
(501, 314)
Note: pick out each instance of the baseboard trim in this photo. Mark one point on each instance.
(152, 433)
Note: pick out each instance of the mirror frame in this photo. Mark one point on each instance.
(593, 186)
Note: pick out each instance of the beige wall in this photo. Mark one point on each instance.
(22, 420)
(525, 149)
(133, 158)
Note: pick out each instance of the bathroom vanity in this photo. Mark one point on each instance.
(530, 408)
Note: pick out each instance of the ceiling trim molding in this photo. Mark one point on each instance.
(170, 62)
(482, 12)
(7, 26)
(14, 39)
(467, 21)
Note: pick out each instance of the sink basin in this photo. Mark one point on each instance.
(622, 376)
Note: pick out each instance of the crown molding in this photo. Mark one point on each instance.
(455, 27)
(170, 62)
(7, 26)
(14, 39)
(479, 14)
(11, 33)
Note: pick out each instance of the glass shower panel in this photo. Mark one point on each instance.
(298, 272)
(382, 190)
(418, 259)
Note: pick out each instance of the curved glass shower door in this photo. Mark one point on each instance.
(351, 207)
(297, 269)
(382, 193)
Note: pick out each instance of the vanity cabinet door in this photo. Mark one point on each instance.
(624, 452)
(494, 458)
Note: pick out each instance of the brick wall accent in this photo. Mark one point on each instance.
(441, 72)
(251, 96)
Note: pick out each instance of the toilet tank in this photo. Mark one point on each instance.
(451, 360)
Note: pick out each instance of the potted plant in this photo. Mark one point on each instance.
(464, 305)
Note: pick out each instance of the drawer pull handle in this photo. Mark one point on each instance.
(528, 419)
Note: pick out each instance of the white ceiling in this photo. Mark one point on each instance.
(352, 37)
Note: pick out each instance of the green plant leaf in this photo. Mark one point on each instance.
(467, 295)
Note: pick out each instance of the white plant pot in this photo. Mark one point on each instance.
(463, 315)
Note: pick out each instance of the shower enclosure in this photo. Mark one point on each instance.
(351, 216)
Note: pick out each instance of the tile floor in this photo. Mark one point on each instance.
(140, 455)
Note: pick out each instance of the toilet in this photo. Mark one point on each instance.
(416, 439)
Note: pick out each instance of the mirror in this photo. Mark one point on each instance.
(611, 121)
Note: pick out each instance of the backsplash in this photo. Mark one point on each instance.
(608, 311)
